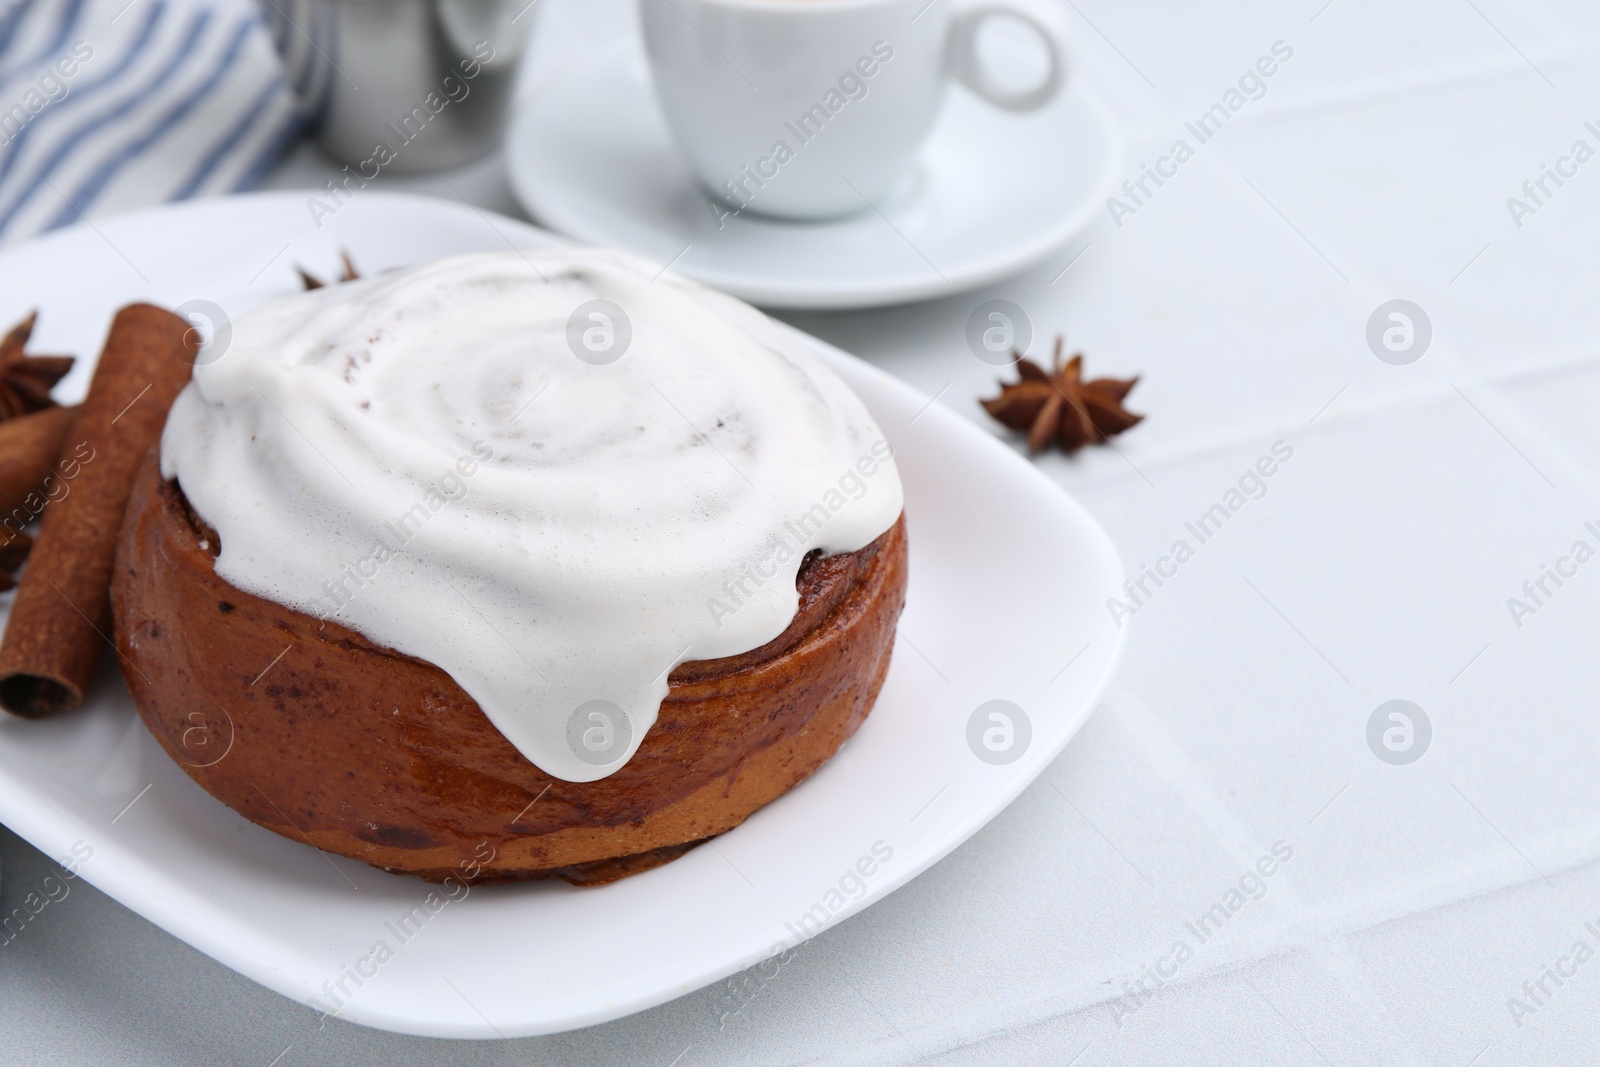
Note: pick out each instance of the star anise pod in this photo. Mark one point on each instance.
(1060, 406)
(26, 381)
(311, 281)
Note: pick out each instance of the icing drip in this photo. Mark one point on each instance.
(554, 474)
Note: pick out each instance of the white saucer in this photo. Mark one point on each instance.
(992, 194)
(1009, 579)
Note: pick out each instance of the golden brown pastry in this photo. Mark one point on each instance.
(308, 729)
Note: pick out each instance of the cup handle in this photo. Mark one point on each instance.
(968, 69)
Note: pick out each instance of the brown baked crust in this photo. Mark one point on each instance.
(310, 730)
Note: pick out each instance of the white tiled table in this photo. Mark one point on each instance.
(1377, 565)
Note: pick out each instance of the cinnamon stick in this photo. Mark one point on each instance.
(12, 555)
(29, 448)
(61, 620)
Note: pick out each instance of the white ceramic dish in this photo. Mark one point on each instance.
(1009, 580)
(991, 194)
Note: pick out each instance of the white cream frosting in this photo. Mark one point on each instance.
(422, 457)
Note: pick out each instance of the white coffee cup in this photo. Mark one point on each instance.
(807, 109)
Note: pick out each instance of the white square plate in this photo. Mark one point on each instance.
(1009, 580)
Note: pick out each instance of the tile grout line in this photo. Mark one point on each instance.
(1172, 765)
(1448, 360)
(1368, 90)
(1170, 762)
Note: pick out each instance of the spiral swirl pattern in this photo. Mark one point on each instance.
(555, 474)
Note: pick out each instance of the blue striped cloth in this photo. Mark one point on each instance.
(108, 105)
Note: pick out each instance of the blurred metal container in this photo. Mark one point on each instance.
(406, 85)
